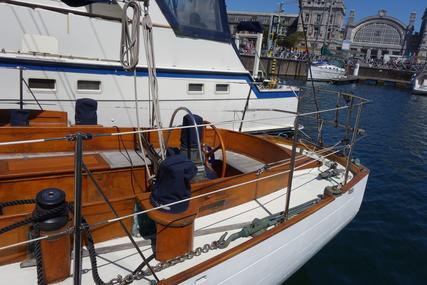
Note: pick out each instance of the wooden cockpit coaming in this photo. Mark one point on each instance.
(118, 185)
(38, 118)
(359, 171)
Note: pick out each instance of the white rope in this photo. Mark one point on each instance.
(129, 44)
(153, 90)
(311, 152)
(183, 127)
(22, 142)
(138, 128)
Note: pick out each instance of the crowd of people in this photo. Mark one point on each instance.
(396, 64)
(281, 52)
(294, 54)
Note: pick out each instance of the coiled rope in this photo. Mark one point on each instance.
(129, 58)
(36, 218)
(129, 44)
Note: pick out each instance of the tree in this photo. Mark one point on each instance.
(292, 40)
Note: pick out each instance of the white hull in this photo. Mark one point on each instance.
(419, 84)
(69, 47)
(272, 261)
(419, 91)
(326, 72)
(277, 258)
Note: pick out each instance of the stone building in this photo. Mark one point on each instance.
(379, 35)
(323, 21)
(422, 43)
(382, 36)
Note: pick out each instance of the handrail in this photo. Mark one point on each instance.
(31, 92)
(39, 140)
(196, 127)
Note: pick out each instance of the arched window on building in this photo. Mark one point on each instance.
(378, 33)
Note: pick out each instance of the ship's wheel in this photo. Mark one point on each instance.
(209, 151)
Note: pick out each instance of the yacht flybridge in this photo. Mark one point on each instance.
(53, 54)
(186, 203)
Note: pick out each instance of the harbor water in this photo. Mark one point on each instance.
(387, 241)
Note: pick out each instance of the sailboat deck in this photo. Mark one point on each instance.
(209, 228)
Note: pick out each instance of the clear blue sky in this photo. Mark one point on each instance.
(396, 8)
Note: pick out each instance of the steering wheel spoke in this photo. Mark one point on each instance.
(209, 151)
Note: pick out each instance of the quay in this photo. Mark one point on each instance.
(380, 81)
(298, 69)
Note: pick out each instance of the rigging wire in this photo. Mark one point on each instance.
(205, 194)
(176, 127)
(103, 223)
(320, 137)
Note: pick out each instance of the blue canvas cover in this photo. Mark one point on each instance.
(86, 112)
(19, 117)
(173, 182)
(188, 135)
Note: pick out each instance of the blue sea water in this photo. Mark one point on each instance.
(387, 241)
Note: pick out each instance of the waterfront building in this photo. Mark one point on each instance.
(422, 45)
(323, 21)
(385, 37)
(379, 35)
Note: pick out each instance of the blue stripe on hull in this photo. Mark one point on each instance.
(142, 72)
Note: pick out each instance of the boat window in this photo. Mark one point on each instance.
(195, 88)
(42, 84)
(88, 85)
(222, 88)
(204, 19)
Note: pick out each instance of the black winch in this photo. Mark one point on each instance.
(47, 200)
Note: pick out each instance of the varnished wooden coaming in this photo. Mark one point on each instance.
(32, 133)
(38, 118)
(359, 173)
(94, 213)
(117, 183)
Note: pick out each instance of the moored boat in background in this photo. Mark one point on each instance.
(54, 54)
(323, 71)
(419, 82)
